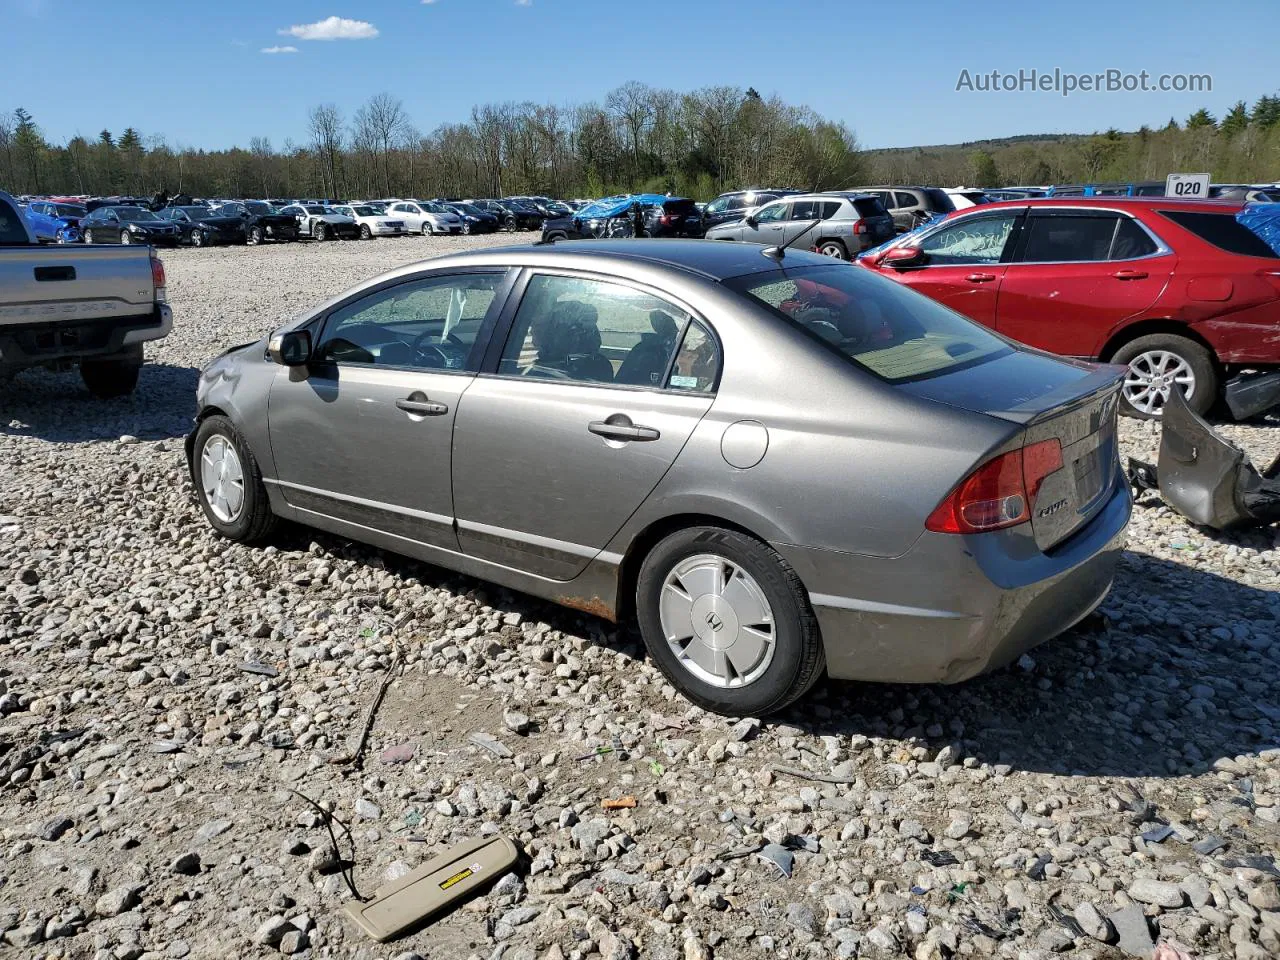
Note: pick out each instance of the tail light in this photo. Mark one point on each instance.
(860, 226)
(157, 279)
(999, 493)
(666, 219)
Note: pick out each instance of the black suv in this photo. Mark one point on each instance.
(911, 206)
(736, 204)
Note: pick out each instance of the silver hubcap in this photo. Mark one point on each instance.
(222, 478)
(831, 250)
(1152, 375)
(717, 621)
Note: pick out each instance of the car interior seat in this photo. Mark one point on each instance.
(646, 362)
(567, 339)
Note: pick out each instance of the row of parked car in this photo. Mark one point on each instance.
(161, 221)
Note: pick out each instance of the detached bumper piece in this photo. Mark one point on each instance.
(1207, 479)
(1251, 394)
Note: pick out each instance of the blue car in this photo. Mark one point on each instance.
(55, 222)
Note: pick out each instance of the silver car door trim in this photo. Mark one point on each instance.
(543, 543)
(874, 606)
(362, 502)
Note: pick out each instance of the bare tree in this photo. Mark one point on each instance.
(325, 125)
(632, 105)
(381, 124)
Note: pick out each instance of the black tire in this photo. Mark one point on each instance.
(254, 236)
(88, 236)
(255, 522)
(1205, 392)
(556, 237)
(365, 232)
(116, 377)
(833, 248)
(125, 239)
(197, 238)
(466, 227)
(319, 232)
(798, 658)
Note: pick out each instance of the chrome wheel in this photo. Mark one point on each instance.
(832, 250)
(717, 621)
(222, 478)
(125, 239)
(1152, 375)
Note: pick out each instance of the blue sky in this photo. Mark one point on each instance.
(196, 73)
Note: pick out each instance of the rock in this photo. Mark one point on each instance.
(272, 930)
(959, 826)
(366, 809)
(589, 834)
(187, 865)
(1132, 933)
(516, 722)
(117, 900)
(1093, 923)
(881, 941)
(53, 829)
(213, 828)
(695, 949)
(1157, 892)
(802, 918)
(1265, 896)
(293, 941)
(914, 829)
(744, 730)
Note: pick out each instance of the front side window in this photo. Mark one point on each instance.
(772, 213)
(969, 240)
(882, 326)
(431, 323)
(592, 331)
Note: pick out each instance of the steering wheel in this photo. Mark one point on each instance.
(429, 354)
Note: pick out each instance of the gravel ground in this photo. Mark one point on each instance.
(163, 694)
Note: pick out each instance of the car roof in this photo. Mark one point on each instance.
(1119, 203)
(716, 261)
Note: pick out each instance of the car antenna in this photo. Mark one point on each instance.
(777, 253)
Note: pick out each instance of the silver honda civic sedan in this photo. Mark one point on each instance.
(777, 464)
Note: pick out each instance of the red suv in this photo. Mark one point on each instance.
(1178, 290)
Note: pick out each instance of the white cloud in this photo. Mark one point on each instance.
(430, 1)
(524, 3)
(279, 49)
(332, 28)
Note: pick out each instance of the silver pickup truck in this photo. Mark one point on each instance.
(62, 306)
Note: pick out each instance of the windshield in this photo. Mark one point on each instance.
(365, 211)
(316, 211)
(195, 213)
(71, 210)
(882, 326)
(135, 214)
(258, 207)
(467, 209)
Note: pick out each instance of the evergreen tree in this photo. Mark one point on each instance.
(1200, 120)
(1236, 120)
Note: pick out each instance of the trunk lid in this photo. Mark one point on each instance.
(1074, 402)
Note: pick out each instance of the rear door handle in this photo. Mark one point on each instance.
(422, 407)
(980, 277)
(620, 427)
(1130, 274)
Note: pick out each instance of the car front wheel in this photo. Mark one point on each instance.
(229, 483)
(365, 232)
(728, 622)
(1159, 363)
(254, 236)
(320, 232)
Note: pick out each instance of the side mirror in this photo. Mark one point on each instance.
(291, 348)
(750, 220)
(900, 257)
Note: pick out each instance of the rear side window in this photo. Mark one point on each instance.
(1223, 231)
(880, 325)
(12, 230)
(697, 363)
(869, 207)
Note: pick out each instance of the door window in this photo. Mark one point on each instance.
(970, 240)
(697, 364)
(590, 331)
(718, 204)
(1070, 238)
(430, 323)
(806, 210)
(772, 213)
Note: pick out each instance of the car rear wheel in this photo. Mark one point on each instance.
(229, 483)
(1159, 362)
(365, 232)
(320, 232)
(197, 238)
(125, 239)
(116, 377)
(466, 226)
(88, 236)
(426, 228)
(254, 236)
(833, 248)
(728, 622)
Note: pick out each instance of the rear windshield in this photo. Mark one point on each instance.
(882, 326)
(1223, 231)
(869, 207)
(938, 200)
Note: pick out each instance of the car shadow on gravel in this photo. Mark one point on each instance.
(59, 408)
(1172, 674)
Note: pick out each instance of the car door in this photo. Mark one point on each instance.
(366, 435)
(576, 420)
(111, 227)
(963, 262)
(767, 223)
(801, 214)
(1077, 275)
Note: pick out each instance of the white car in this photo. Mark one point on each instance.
(425, 217)
(964, 197)
(372, 223)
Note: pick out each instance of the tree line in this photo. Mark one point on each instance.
(639, 138)
(1244, 146)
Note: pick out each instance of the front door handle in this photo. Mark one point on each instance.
(420, 406)
(620, 427)
(980, 277)
(1130, 274)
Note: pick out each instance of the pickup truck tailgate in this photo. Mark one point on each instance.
(74, 283)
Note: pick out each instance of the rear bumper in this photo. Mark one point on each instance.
(36, 345)
(955, 607)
